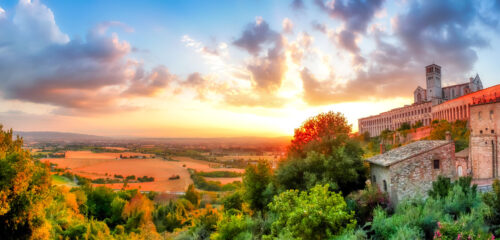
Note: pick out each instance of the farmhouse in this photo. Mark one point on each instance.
(410, 170)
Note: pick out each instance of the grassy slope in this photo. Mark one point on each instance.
(60, 180)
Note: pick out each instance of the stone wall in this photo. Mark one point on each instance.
(485, 140)
(379, 174)
(462, 162)
(414, 176)
(394, 118)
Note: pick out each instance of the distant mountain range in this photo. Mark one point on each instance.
(65, 137)
(59, 136)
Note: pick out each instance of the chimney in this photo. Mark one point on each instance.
(382, 148)
(448, 136)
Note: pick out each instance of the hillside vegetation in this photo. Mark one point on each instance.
(317, 192)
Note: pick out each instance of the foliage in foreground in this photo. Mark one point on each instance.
(315, 214)
(458, 212)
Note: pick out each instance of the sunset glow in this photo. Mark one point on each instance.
(195, 69)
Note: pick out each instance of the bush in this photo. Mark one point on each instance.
(233, 201)
(492, 200)
(315, 214)
(146, 179)
(201, 183)
(220, 174)
(234, 226)
(459, 205)
(365, 201)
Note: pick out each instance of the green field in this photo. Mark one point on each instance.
(60, 180)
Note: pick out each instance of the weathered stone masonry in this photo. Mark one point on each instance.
(410, 170)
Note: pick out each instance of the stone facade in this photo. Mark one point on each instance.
(425, 100)
(462, 163)
(484, 138)
(409, 170)
(394, 118)
(459, 108)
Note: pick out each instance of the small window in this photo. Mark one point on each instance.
(492, 131)
(479, 115)
(480, 131)
(491, 115)
(385, 186)
(436, 164)
(374, 179)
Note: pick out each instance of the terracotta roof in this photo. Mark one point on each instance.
(407, 151)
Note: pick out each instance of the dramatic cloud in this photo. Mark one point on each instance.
(297, 5)
(374, 83)
(355, 15)
(39, 63)
(441, 31)
(319, 27)
(287, 25)
(143, 84)
(267, 71)
(255, 35)
(430, 31)
(199, 83)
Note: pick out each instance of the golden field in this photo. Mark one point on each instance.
(106, 165)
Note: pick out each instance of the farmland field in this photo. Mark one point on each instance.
(106, 165)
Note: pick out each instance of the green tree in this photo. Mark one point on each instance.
(24, 187)
(99, 201)
(233, 201)
(192, 195)
(172, 215)
(257, 185)
(417, 124)
(441, 187)
(315, 214)
(458, 129)
(404, 126)
(342, 169)
(234, 226)
(322, 152)
(492, 199)
(318, 133)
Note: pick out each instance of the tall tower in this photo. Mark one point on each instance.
(433, 80)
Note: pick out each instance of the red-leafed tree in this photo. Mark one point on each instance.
(319, 130)
(322, 152)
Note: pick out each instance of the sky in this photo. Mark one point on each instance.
(229, 68)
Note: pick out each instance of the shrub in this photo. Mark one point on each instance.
(220, 174)
(234, 226)
(365, 201)
(315, 214)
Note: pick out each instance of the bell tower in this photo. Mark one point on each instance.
(433, 82)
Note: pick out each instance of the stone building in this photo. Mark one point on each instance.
(409, 170)
(393, 119)
(462, 163)
(458, 108)
(484, 138)
(425, 100)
